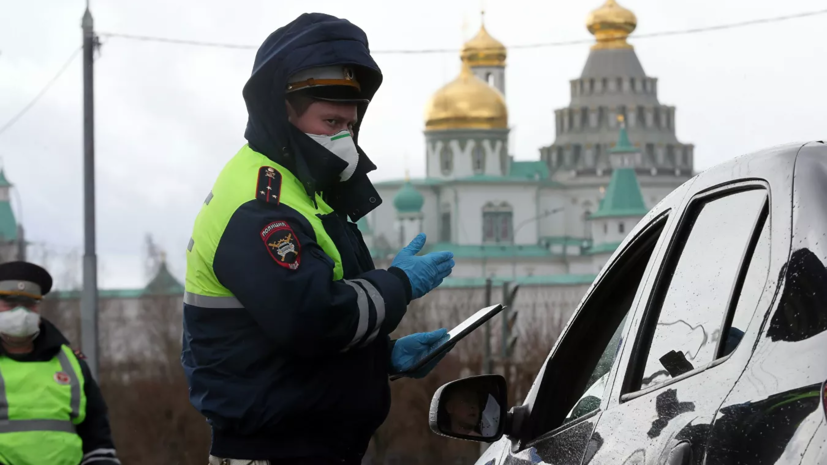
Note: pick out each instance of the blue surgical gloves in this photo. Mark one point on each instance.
(410, 349)
(425, 272)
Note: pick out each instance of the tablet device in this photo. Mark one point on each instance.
(460, 331)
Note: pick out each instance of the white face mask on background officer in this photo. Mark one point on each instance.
(19, 321)
(329, 122)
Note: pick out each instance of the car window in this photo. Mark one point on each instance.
(575, 378)
(701, 283)
(596, 386)
(756, 278)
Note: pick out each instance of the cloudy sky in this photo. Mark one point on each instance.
(169, 116)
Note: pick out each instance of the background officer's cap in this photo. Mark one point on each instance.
(332, 83)
(24, 279)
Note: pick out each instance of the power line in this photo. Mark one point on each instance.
(564, 43)
(40, 94)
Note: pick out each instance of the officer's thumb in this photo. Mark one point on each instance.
(434, 336)
(416, 244)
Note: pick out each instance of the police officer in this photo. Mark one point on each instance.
(286, 320)
(51, 410)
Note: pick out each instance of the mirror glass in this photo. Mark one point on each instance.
(471, 408)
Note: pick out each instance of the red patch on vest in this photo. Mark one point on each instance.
(62, 378)
(282, 244)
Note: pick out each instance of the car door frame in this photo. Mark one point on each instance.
(724, 178)
(663, 212)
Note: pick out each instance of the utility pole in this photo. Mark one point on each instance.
(509, 339)
(487, 361)
(89, 298)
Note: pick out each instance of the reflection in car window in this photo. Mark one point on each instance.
(596, 387)
(754, 282)
(693, 309)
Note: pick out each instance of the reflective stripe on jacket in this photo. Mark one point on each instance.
(40, 405)
(277, 353)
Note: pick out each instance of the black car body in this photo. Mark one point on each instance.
(704, 338)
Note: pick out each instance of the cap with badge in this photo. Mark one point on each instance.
(331, 83)
(24, 279)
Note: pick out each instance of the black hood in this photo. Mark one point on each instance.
(311, 40)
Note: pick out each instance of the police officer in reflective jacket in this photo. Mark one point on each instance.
(286, 341)
(51, 410)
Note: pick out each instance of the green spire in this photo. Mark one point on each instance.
(408, 199)
(8, 223)
(623, 196)
(164, 283)
(623, 144)
(3, 181)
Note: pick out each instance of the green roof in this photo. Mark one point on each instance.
(8, 224)
(102, 294)
(566, 240)
(528, 169)
(623, 196)
(491, 250)
(530, 172)
(623, 144)
(603, 248)
(408, 199)
(164, 283)
(548, 280)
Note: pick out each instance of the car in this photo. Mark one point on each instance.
(702, 340)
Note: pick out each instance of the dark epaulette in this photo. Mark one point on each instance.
(268, 185)
(79, 354)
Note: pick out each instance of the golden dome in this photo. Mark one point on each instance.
(466, 103)
(611, 24)
(484, 50)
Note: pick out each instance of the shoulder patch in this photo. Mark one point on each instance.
(268, 185)
(282, 244)
(79, 354)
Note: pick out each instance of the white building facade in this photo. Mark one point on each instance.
(552, 223)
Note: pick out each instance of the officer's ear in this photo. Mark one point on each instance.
(291, 112)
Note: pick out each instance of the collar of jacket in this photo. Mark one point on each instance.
(318, 170)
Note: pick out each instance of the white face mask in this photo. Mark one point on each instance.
(340, 144)
(19, 322)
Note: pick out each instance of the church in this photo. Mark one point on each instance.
(550, 223)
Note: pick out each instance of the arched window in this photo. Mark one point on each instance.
(621, 228)
(489, 78)
(478, 159)
(497, 223)
(446, 160)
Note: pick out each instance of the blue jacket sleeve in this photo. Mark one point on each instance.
(268, 257)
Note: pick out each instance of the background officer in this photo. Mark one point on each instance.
(51, 410)
(286, 320)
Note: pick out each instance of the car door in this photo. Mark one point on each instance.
(567, 398)
(680, 366)
(775, 413)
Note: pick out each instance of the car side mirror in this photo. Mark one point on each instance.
(473, 409)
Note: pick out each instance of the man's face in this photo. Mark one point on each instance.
(464, 408)
(11, 302)
(324, 118)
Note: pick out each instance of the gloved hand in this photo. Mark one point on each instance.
(410, 349)
(426, 272)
